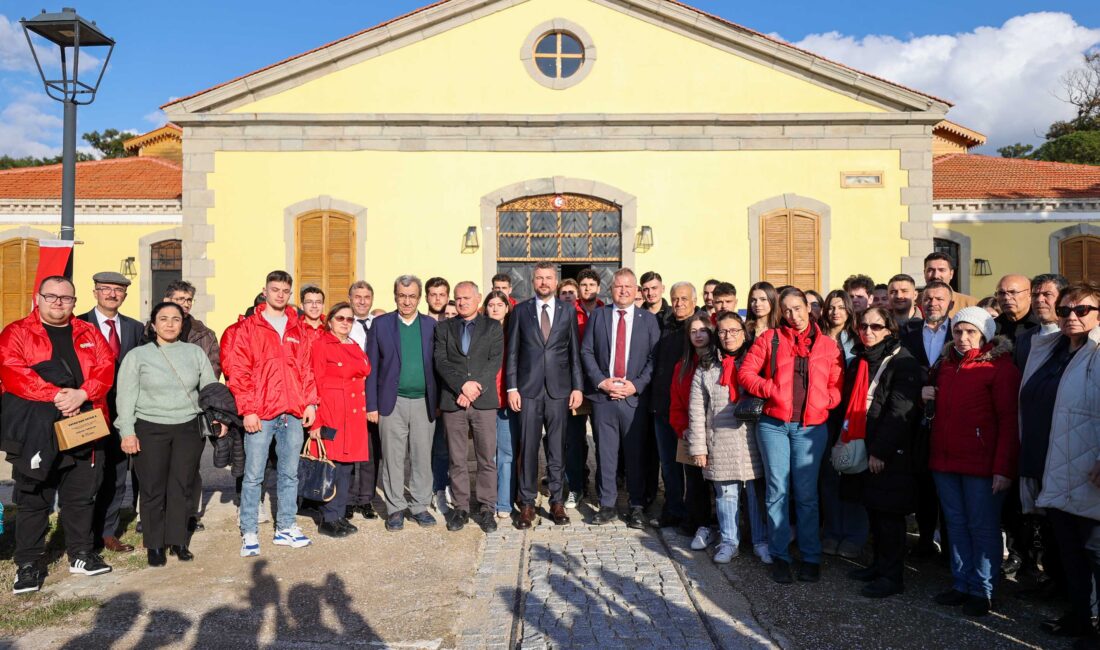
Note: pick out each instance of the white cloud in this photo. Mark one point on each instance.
(30, 125)
(16, 56)
(157, 118)
(1004, 81)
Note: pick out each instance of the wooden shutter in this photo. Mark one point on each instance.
(789, 249)
(1079, 258)
(326, 252)
(18, 266)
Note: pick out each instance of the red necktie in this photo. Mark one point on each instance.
(620, 346)
(112, 338)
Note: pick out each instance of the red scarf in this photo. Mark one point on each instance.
(729, 376)
(855, 419)
(801, 342)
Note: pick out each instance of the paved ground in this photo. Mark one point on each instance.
(574, 586)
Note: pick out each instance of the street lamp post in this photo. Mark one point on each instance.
(69, 32)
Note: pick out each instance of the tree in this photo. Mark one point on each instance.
(1081, 147)
(7, 162)
(1018, 150)
(109, 143)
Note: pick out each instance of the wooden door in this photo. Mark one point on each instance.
(18, 266)
(1079, 258)
(790, 249)
(326, 253)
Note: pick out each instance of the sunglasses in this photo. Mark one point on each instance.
(874, 327)
(343, 319)
(1078, 310)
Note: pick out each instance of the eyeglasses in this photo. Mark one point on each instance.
(343, 319)
(1000, 293)
(874, 327)
(731, 332)
(1078, 310)
(183, 301)
(54, 299)
(112, 290)
(314, 303)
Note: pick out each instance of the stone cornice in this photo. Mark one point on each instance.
(99, 206)
(1016, 205)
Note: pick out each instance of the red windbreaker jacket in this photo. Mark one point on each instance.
(269, 376)
(826, 376)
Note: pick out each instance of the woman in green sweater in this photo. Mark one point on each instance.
(158, 418)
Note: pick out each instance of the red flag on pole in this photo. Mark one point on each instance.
(53, 259)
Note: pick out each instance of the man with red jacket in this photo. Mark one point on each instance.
(38, 355)
(271, 378)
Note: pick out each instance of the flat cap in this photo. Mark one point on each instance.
(110, 277)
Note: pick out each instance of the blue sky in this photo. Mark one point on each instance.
(999, 61)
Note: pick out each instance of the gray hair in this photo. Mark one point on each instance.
(468, 283)
(681, 285)
(1058, 280)
(406, 280)
(360, 284)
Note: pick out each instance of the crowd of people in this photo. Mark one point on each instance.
(822, 421)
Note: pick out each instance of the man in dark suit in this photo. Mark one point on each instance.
(122, 335)
(469, 350)
(543, 379)
(401, 399)
(617, 355)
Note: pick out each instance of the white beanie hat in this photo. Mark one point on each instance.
(978, 317)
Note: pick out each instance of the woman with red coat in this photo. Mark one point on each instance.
(792, 431)
(340, 368)
(973, 452)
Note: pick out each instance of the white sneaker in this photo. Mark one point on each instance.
(292, 537)
(571, 500)
(703, 537)
(250, 545)
(726, 552)
(761, 551)
(439, 502)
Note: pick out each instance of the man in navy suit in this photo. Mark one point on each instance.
(402, 399)
(543, 379)
(617, 355)
(122, 334)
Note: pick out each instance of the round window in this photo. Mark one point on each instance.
(559, 55)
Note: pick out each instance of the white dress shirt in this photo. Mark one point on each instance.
(105, 329)
(358, 334)
(615, 316)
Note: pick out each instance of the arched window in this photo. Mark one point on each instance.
(1079, 258)
(18, 266)
(790, 251)
(325, 254)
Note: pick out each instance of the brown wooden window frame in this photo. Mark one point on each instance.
(1082, 242)
(306, 276)
(28, 265)
(765, 273)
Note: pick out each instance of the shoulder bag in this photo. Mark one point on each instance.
(851, 457)
(750, 408)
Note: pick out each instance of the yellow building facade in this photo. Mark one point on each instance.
(473, 137)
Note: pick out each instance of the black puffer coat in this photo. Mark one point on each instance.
(892, 421)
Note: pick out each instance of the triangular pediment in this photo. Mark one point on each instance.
(473, 57)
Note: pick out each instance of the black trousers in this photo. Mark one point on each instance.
(622, 431)
(928, 510)
(196, 485)
(166, 468)
(363, 484)
(112, 489)
(75, 488)
(1080, 564)
(334, 508)
(697, 493)
(535, 414)
(888, 529)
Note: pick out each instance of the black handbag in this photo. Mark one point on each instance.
(316, 474)
(749, 408)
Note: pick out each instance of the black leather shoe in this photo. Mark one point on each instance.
(636, 519)
(156, 557)
(457, 520)
(881, 588)
(424, 518)
(195, 525)
(606, 515)
(809, 572)
(182, 552)
(347, 525)
(976, 606)
(863, 574)
(350, 511)
(487, 520)
(395, 521)
(669, 521)
(367, 510)
(951, 598)
(332, 529)
(781, 572)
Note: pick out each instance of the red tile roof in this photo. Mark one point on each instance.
(970, 176)
(443, 2)
(118, 178)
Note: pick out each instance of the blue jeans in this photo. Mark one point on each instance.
(845, 521)
(441, 461)
(576, 452)
(792, 460)
(973, 515)
(727, 500)
(288, 435)
(507, 444)
(754, 496)
(672, 473)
